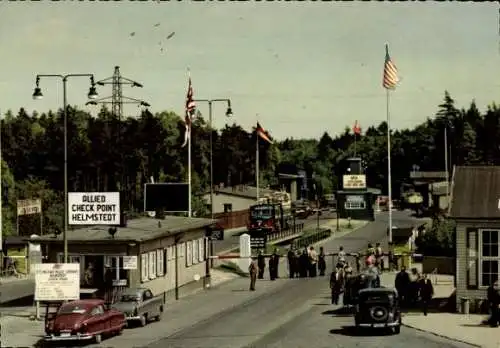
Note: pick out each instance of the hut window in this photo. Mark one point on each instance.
(489, 257)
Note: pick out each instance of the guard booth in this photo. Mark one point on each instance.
(355, 200)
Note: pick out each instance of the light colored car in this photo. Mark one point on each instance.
(139, 305)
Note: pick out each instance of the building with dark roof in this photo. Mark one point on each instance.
(141, 254)
(235, 198)
(475, 206)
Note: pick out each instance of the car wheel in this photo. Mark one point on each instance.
(158, 317)
(143, 320)
(98, 338)
(397, 330)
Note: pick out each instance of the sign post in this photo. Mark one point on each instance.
(94, 208)
(29, 207)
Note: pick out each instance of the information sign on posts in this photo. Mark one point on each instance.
(57, 281)
(29, 207)
(94, 208)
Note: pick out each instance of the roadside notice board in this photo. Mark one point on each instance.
(57, 281)
(94, 208)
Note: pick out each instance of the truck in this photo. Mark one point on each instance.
(271, 214)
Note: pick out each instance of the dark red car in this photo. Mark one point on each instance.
(84, 320)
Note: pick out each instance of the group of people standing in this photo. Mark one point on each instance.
(414, 288)
(306, 263)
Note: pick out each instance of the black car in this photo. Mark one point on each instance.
(378, 308)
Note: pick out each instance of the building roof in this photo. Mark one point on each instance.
(137, 230)
(243, 191)
(475, 192)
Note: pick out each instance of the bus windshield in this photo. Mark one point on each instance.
(262, 212)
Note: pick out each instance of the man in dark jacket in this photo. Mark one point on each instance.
(494, 302)
(272, 265)
(426, 293)
(291, 263)
(336, 284)
(304, 264)
(276, 263)
(261, 264)
(402, 283)
(321, 261)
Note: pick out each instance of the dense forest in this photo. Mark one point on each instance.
(108, 154)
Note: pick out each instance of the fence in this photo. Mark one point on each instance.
(232, 219)
(305, 241)
(295, 229)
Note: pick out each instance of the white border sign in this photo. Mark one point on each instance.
(57, 281)
(94, 208)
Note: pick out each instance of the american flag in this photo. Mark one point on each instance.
(190, 109)
(356, 128)
(391, 78)
(261, 132)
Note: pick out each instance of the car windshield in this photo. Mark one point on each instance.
(262, 212)
(72, 309)
(130, 298)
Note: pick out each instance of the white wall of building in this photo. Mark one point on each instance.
(238, 203)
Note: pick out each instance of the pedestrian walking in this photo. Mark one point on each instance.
(321, 261)
(426, 293)
(336, 284)
(402, 283)
(261, 263)
(252, 269)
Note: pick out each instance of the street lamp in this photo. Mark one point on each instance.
(37, 95)
(229, 113)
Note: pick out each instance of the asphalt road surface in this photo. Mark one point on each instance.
(297, 313)
(233, 241)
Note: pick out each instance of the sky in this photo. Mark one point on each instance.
(300, 69)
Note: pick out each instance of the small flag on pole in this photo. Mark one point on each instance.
(356, 128)
(190, 109)
(262, 133)
(391, 78)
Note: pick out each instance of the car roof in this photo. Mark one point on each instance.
(84, 303)
(134, 291)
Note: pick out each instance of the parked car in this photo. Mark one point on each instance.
(139, 305)
(378, 308)
(84, 320)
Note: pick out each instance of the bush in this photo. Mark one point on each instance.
(439, 240)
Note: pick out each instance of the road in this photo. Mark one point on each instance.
(294, 313)
(232, 240)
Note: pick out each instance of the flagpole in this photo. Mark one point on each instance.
(189, 168)
(257, 173)
(355, 144)
(389, 176)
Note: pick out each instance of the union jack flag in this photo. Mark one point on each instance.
(190, 109)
